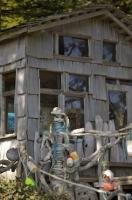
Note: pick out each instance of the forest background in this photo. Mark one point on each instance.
(17, 12)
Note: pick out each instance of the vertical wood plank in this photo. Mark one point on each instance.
(33, 81)
(105, 141)
(114, 152)
(89, 141)
(2, 108)
(99, 89)
(21, 80)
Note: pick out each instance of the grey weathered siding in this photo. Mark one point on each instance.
(40, 45)
(11, 51)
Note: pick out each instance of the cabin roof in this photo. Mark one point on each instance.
(118, 17)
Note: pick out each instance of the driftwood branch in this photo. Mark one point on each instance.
(44, 183)
(96, 156)
(6, 165)
(97, 133)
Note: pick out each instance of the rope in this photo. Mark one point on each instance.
(127, 196)
(24, 167)
(72, 183)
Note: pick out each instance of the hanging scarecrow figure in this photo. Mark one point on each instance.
(60, 143)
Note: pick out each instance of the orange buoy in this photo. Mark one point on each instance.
(107, 186)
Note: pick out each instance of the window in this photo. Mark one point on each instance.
(117, 108)
(47, 103)
(10, 115)
(51, 80)
(74, 108)
(109, 51)
(73, 46)
(70, 97)
(50, 85)
(78, 83)
(9, 92)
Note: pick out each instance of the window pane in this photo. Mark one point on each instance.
(117, 108)
(74, 108)
(47, 103)
(10, 114)
(109, 51)
(72, 46)
(9, 81)
(78, 83)
(50, 80)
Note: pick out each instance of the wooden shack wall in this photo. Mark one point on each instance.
(42, 54)
(12, 50)
(27, 55)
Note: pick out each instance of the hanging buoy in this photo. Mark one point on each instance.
(29, 181)
(70, 162)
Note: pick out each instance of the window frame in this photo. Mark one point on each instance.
(5, 95)
(77, 91)
(78, 36)
(120, 88)
(111, 61)
(49, 91)
(126, 110)
(82, 112)
(65, 92)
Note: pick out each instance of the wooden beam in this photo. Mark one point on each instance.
(12, 33)
(121, 165)
(123, 26)
(67, 20)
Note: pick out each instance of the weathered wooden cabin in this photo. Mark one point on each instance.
(80, 61)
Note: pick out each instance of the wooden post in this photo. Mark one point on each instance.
(2, 112)
(114, 152)
(21, 117)
(99, 126)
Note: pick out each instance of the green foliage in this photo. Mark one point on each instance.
(13, 190)
(15, 12)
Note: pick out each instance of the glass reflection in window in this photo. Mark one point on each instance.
(109, 51)
(78, 83)
(72, 46)
(74, 108)
(117, 108)
(47, 103)
(10, 114)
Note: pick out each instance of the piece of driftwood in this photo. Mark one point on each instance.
(6, 165)
(105, 140)
(44, 183)
(89, 141)
(93, 159)
(114, 153)
(97, 133)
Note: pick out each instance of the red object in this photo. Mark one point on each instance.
(108, 186)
